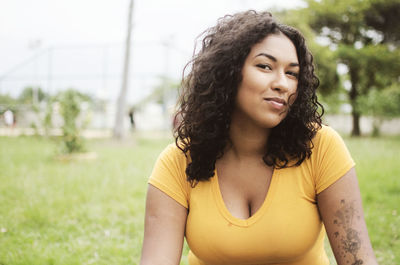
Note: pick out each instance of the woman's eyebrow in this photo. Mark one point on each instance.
(274, 59)
(267, 55)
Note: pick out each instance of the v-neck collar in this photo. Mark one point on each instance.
(252, 219)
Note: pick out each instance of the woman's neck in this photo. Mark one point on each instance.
(247, 141)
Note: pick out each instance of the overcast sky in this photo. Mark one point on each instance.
(28, 27)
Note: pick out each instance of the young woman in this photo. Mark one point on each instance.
(254, 177)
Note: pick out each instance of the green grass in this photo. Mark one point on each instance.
(76, 212)
(378, 170)
(91, 212)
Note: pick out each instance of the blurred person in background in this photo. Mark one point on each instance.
(132, 118)
(9, 118)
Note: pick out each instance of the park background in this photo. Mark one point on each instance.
(73, 169)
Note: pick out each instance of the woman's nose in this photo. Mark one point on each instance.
(280, 82)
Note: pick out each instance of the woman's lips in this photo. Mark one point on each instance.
(277, 103)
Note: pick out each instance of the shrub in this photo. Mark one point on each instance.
(70, 101)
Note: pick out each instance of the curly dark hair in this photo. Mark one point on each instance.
(209, 90)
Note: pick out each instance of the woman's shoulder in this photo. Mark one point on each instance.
(330, 158)
(169, 175)
(174, 152)
(325, 133)
(328, 141)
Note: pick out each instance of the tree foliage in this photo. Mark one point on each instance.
(381, 105)
(365, 36)
(7, 102)
(165, 87)
(28, 95)
(383, 17)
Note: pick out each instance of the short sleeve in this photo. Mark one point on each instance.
(169, 175)
(331, 159)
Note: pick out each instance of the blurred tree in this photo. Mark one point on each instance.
(7, 102)
(29, 95)
(164, 94)
(70, 107)
(381, 105)
(365, 37)
(30, 98)
(159, 93)
(383, 16)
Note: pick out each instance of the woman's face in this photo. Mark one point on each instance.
(269, 84)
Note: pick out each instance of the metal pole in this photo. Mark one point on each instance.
(105, 67)
(120, 114)
(49, 69)
(35, 87)
(165, 83)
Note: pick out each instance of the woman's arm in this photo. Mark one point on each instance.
(164, 229)
(341, 211)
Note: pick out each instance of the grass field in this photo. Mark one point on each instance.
(91, 212)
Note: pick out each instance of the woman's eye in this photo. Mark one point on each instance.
(293, 74)
(264, 66)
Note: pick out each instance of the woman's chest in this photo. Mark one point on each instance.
(243, 188)
(286, 225)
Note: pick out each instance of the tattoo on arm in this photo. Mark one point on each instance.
(350, 240)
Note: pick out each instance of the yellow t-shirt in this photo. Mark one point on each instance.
(287, 229)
